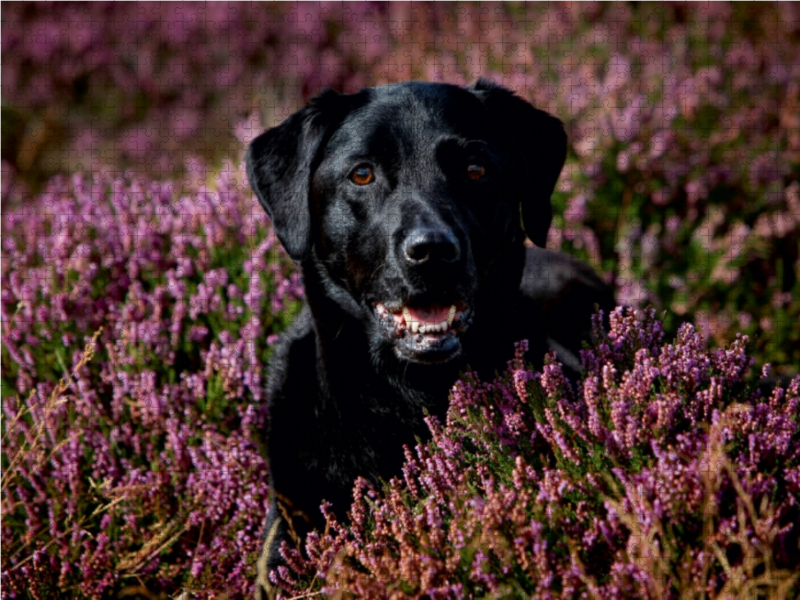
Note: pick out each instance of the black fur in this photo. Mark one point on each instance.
(348, 385)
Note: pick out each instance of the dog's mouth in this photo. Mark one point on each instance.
(425, 332)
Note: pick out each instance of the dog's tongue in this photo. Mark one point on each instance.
(430, 314)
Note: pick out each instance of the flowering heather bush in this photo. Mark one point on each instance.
(135, 319)
(134, 463)
(137, 314)
(662, 476)
(682, 186)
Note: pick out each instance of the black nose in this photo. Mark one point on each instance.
(430, 245)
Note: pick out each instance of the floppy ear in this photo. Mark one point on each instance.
(541, 140)
(281, 161)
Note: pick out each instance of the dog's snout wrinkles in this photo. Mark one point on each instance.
(431, 245)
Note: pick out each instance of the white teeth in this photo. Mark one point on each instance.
(415, 325)
(424, 328)
(432, 328)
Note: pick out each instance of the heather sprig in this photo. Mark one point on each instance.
(642, 484)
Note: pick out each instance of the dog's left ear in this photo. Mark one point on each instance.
(541, 140)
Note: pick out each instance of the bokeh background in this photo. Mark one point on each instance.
(125, 207)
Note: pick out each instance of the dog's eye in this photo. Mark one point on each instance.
(476, 171)
(362, 175)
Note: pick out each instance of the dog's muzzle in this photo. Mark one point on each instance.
(425, 333)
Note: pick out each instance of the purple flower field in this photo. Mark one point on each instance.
(660, 478)
(143, 289)
(136, 461)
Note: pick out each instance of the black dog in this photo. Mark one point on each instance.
(404, 206)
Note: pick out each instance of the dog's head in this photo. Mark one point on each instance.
(407, 198)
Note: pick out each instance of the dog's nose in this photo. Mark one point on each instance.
(425, 244)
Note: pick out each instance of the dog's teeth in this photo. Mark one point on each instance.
(410, 322)
(422, 327)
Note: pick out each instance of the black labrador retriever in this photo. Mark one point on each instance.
(406, 207)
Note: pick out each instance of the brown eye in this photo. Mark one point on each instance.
(476, 171)
(362, 175)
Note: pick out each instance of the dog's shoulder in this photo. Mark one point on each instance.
(565, 291)
(556, 275)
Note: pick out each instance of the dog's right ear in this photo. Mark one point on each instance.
(281, 161)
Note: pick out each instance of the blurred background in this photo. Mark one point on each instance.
(681, 186)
